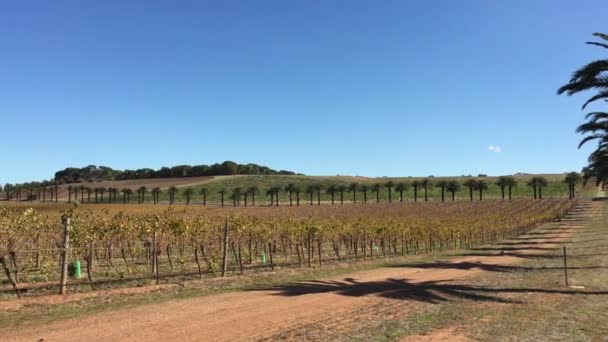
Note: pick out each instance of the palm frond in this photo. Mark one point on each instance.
(598, 44)
(589, 138)
(588, 77)
(597, 115)
(601, 95)
(601, 35)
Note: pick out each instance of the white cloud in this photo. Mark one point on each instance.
(495, 149)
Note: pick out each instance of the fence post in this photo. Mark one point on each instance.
(565, 265)
(155, 258)
(225, 249)
(64, 256)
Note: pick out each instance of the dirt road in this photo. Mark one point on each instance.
(338, 303)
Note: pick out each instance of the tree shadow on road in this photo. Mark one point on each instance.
(467, 265)
(402, 289)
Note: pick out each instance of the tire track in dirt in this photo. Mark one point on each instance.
(272, 314)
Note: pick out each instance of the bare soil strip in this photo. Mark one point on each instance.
(338, 303)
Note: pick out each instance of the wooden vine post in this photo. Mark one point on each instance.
(565, 265)
(64, 256)
(225, 249)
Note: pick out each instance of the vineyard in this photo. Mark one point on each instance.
(146, 244)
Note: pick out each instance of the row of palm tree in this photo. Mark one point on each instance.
(593, 76)
(247, 196)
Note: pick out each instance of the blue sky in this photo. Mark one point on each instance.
(321, 87)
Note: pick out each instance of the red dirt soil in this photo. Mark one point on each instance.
(267, 314)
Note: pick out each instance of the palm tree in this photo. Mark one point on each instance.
(253, 191)
(364, 189)
(353, 187)
(425, 184)
(297, 190)
(203, 192)
(537, 183)
(416, 185)
(310, 190)
(511, 183)
(102, 191)
(155, 194)
(481, 186)
(172, 191)
(222, 192)
(236, 196)
(532, 183)
(472, 185)
(124, 195)
(593, 77)
(270, 192)
(341, 188)
(277, 192)
(572, 178)
(597, 168)
(453, 187)
(597, 122)
(376, 188)
(501, 182)
(289, 188)
(332, 189)
(389, 185)
(188, 192)
(141, 194)
(318, 188)
(401, 187)
(112, 193)
(70, 188)
(88, 194)
(590, 76)
(443, 184)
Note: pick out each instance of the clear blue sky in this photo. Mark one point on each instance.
(320, 87)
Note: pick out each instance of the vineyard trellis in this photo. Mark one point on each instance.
(139, 245)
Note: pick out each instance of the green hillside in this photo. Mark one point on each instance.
(555, 189)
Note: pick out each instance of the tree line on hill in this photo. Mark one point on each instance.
(94, 173)
(419, 189)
